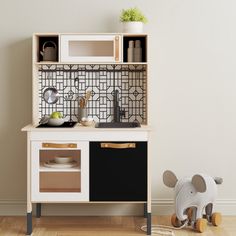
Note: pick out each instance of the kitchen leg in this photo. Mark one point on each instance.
(29, 203)
(149, 224)
(145, 210)
(38, 210)
(29, 223)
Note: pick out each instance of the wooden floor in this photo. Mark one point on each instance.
(102, 226)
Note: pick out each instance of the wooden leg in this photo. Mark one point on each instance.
(38, 210)
(29, 223)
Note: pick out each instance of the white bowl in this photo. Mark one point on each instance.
(56, 121)
(63, 160)
(87, 121)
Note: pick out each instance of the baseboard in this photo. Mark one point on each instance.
(165, 206)
(18, 208)
(159, 207)
(12, 207)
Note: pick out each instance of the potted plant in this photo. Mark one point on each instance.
(133, 20)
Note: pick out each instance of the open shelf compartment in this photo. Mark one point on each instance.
(67, 179)
(143, 41)
(46, 41)
(60, 182)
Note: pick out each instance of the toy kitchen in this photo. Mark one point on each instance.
(88, 141)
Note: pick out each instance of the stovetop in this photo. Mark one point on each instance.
(67, 124)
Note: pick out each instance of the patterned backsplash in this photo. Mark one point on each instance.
(73, 81)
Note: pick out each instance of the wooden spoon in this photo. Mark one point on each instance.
(82, 102)
(87, 96)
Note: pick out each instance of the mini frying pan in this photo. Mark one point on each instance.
(50, 95)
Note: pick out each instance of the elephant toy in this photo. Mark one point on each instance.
(192, 197)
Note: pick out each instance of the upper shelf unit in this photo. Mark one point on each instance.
(110, 48)
(46, 48)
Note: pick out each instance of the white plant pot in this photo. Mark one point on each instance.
(133, 27)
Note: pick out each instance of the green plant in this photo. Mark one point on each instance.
(132, 14)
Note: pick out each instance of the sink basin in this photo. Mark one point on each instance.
(117, 125)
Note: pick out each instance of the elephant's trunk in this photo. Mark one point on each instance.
(180, 212)
(183, 199)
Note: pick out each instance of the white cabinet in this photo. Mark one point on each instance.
(90, 48)
(59, 184)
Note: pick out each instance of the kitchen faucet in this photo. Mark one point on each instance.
(118, 113)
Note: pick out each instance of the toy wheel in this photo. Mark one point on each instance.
(201, 225)
(216, 219)
(175, 221)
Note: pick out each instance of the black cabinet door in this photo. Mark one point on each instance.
(118, 174)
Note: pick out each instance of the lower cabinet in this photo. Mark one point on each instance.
(72, 169)
(118, 171)
(52, 182)
(101, 171)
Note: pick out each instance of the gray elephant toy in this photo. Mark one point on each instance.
(192, 197)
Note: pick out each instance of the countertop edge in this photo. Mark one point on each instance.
(80, 128)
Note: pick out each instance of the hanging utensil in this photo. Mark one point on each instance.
(50, 95)
(87, 96)
(82, 102)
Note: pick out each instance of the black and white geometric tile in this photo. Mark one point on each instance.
(73, 81)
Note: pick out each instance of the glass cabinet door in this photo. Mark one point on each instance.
(60, 170)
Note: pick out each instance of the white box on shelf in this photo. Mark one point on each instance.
(90, 48)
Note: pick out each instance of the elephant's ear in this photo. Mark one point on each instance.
(199, 183)
(169, 179)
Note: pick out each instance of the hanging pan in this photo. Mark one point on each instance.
(50, 95)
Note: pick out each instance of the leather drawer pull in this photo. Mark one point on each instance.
(118, 145)
(59, 145)
(117, 39)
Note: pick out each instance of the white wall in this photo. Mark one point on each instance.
(192, 81)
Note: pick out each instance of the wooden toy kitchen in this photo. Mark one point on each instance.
(109, 160)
